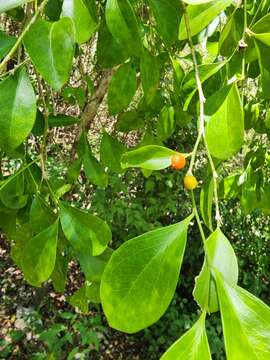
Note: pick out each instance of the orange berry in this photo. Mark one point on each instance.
(190, 182)
(178, 162)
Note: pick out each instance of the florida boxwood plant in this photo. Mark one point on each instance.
(159, 65)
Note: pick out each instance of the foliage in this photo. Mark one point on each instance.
(173, 65)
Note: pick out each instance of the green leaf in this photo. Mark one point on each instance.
(226, 125)
(41, 216)
(189, 85)
(122, 88)
(87, 233)
(39, 255)
(167, 16)
(92, 168)
(206, 202)
(150, 157)
(60, 120)
(17, 110)
(6, 5)
(201, 15)
(13, 193)
(140, 279)
(6, 43)
(196, 2)
(166, 123)
(93, 266)
(123, 25)
(192, 345)
(83, 22)
(219, 255)
(59, 275)
(130, 120)
(50, 46)
(247, 318)
(232, 33)
(150, 75)
(109, 51)
(111, 152)
(79, 300)
(22, 237)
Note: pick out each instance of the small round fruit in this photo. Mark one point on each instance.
(178, 161)
(190, 182)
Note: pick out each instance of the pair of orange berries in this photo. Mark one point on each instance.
(178, 162)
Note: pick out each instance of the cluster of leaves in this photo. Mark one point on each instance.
(157, 57)
(70, 336)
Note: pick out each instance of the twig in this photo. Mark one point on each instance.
(201, 132)
(20, 38)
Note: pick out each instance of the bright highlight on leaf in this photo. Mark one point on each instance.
(151, 157)
(51, 46)
(140, 279)
(17, 110)
(245, 321)
(192, 345)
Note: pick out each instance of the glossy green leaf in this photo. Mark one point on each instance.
(87, 233)
(167, 16)
(22, 237)
(226, 125)
(79, 300)
(150, 75)
(166, 123)
(59, 275)
(83, 22)
(111, 151)
(247, 318)
(51, 46)
(219, 255)
(41, 216)
(92, 167)
(13, 193)
(189, 85)
(6, 43)
(130, 120)
(140, 279)
(263, 51)
(193, 345)
(6, 5)
(39, 255)
(109, 51)
(93, 266)
(122, 88)
(150, 157)
(17, 110)
(232, 33)
(60, 120)
(206, 202)
(201, 15)
(123, 24)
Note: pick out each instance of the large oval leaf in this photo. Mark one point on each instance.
(84, 23)
(111, 151)
(150, 157)
(201, 15)
(167, 16)
(17, 110)
(87, 233)
(122, 23)
(192, 345)
(122, 88)
(39, 255)
(219, 255)
(225, 128)
(247, 318)
(50, 46)
(6, 43)
(150, 74)
(141, 276)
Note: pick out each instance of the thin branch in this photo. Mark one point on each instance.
(201, 132)
(20, 38)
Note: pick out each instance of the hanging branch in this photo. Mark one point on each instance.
(201, 131)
